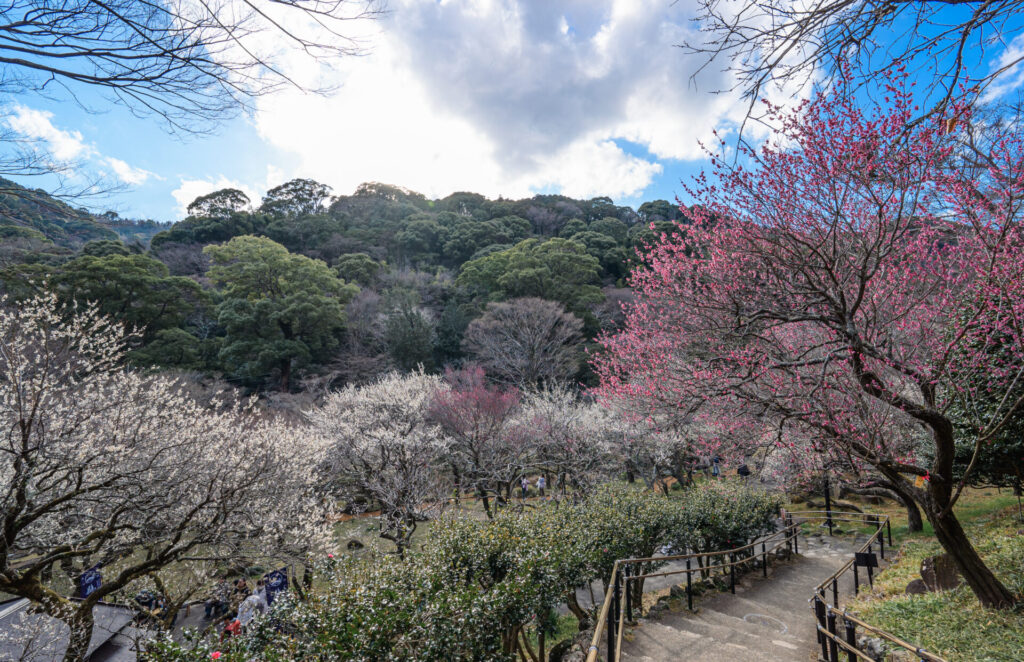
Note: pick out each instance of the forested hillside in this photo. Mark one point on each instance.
(38, 228)
(303, 289)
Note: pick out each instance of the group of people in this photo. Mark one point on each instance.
(542, 484)
(238, 602)
(714, 466)
(153, 606)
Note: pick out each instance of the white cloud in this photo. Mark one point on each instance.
(1011, 65)
(190, 189)
(67, 148)
(505, 97)
(38, 125)
(128, 174)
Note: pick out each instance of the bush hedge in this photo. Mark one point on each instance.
(479, 590)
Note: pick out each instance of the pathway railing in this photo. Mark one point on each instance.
(623, 586)
(836, 628)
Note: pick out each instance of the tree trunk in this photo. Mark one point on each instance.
(486, 501)
(574, 606)
(892, 492)
(286, 375)
(1017, 491)
(914, 522)
(80, 635)
(458, 482)
(983, 582)
(938, 507)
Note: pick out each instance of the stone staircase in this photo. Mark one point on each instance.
(767, 620)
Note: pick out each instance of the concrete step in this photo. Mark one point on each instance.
(751, 617)
(662, 642)
(767, 619)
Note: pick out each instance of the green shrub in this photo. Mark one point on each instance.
(476, 590)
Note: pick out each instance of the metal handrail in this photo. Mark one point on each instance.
(826, 614)
(883, 523)
(613, 616)
(611, 594)
(852, 620)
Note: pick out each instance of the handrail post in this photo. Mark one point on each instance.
(828, 504)
(833, 649)
(888, 527)
(732, 572)
(796, 539)
(856, 579)
(612, 619)
(689, 587)
(610, 628)
(819, 612)
(764, 559)
(835, 591)
(851, 638)
(618, 600)
(881, 543)
(629, 594)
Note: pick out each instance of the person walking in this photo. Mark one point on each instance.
(716, 471)
(261, 591)
(524, 486)
(238, 594)
(541, 484)
(219, 601)
(249, 608)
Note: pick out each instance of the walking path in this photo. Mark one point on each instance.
(767, 620)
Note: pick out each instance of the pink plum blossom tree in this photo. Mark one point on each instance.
(486, 450)
(851, 273)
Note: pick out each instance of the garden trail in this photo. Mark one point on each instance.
(767, 620)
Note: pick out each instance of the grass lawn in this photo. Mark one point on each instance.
(952, 624)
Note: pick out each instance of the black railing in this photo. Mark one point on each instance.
(623, 585)
(836, 629)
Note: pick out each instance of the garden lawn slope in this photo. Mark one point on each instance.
(952, 623)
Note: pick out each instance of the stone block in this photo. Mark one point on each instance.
(940, 573)
(917, 587)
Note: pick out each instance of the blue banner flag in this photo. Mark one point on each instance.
(275, 582)
(90, 580)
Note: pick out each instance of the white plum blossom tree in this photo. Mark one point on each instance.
(383, 450)
(570, 437)
(102, 465)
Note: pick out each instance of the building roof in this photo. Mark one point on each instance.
(29, 636)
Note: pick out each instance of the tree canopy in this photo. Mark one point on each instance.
(279, 310)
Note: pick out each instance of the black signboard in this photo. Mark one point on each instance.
(866, 559)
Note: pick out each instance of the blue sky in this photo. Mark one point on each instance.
(501, 97)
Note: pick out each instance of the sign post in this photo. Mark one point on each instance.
(89, 581)
(275, 582)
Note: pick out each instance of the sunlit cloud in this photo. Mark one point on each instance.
(504, 97)
(67, 149)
